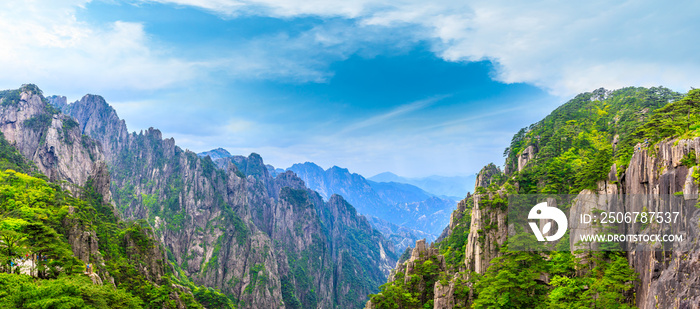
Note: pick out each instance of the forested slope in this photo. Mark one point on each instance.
(628, 141)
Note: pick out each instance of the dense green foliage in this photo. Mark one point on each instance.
(454, 245)
(606, 282)
(35, 218)
(679, 119)
(515, 280)
(597, 280)
(574, 144)
(76, 291)
(572, 149)
(412, 292)
(13, 96)
(10, 97)
(32, 213)
(211, 298)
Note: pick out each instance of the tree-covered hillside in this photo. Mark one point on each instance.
(578, 142)
(570, 150)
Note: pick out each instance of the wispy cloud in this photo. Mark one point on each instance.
(474, 117)
(392, 114)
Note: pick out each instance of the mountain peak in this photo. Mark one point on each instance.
(385, 177)
(214, 154)
(339, 169)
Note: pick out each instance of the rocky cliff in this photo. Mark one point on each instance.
(51, 140)
(488, 230)
(266, 242)
(669, 278)
(91, 225)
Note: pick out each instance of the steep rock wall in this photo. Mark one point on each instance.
(669, 279)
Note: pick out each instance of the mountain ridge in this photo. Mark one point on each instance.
(401, 204)
(253, 236)
(452, 187)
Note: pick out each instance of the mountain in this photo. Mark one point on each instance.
(397, 193)
(63, 243)
(215, 154)
(263, 242)
(455, 187)
(629, 141)
(273, 171)
(402, 237)
(347, 187)
(400, 204)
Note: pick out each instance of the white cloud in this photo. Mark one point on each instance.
(43, 43)
(307, 56)
(565, 47)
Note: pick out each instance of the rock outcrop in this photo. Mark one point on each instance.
(668, 277)
(487, 233)
(525, 157)
(52, 141)
(487, 175)
(488, 230)
(455, 217)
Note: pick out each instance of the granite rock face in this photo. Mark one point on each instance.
(52, 141)
(233, 226)
(525, 157)
(484, 240)
(486, 175)
(55, 144)
(455, 217)
(669, 279)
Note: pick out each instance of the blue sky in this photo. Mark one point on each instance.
(412, 87)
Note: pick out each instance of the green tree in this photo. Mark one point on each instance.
(613, 287)
(10, 246)
(513, 281)
(51, 255)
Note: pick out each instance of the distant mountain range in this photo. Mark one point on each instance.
(401, 204)
(450, 187)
